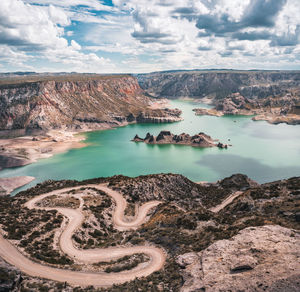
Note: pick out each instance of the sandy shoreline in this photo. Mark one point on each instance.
(28, 149)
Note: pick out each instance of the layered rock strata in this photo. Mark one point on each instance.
(77, 103)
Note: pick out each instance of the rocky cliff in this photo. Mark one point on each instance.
(75, 102)
(219, 84)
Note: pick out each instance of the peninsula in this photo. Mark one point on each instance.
(273, 110)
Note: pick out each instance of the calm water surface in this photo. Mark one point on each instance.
(263, 151)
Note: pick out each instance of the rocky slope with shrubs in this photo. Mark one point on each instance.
(242, 244)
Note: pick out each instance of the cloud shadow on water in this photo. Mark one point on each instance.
(226, 165)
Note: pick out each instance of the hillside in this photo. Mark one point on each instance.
(236, 247)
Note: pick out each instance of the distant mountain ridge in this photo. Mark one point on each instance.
(220, 83)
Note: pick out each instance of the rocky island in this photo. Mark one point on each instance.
(166, 137)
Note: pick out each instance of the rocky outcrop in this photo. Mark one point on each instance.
(257, 259)
(165, 115)
(220, 83)
(166, 137)
(207, 112)
(76, 102)
(237, 182)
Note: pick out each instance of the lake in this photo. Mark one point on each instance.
(263, 151)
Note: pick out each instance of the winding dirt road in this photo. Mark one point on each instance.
(157, 257)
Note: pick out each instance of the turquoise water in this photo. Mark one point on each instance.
(263, 151)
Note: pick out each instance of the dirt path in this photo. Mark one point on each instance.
(75, 218)
(226, 202)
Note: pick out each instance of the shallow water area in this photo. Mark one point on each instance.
(263, 151)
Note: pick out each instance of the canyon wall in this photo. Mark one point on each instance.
(75, 102)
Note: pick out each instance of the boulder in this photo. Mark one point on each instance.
(254, 260)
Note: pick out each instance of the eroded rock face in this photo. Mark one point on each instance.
(256, 259)
(7, 185)
(77, 103)
(166, 137)
(10, 161)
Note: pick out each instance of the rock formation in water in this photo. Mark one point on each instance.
(79, 102)
(166, 137)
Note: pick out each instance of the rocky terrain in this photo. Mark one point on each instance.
(251, 244)
(263, 258)
(166, 137)
(274, 110)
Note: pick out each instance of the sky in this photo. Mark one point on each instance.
(139, 36)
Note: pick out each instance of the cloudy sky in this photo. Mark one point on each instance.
(148, 35)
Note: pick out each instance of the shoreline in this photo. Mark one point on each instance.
(25, 150)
